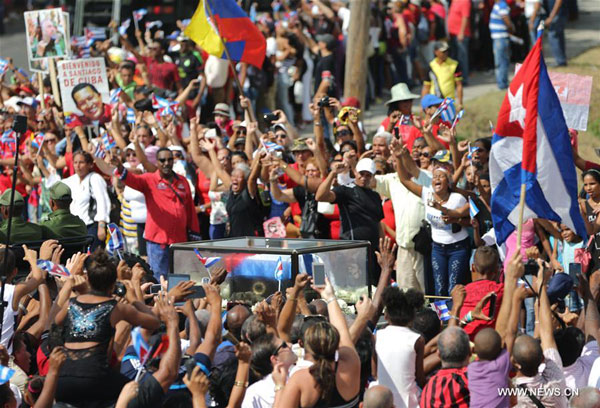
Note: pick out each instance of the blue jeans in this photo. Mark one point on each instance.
(533, 33)
(158, 258)
(556, 38)
(450, 265)
(529, 316)
(216, 231)
(501, 61)
(459, 50)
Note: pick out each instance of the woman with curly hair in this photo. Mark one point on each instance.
(333, 379)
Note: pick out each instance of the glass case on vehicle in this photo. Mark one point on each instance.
(262, 266)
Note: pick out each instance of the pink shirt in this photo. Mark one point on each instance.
(527, 241)
(458, 10)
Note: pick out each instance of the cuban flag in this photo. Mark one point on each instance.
(99, 151)
(158, 102)
(446, 110)
(207, 261)
(152, 24)
(107, 141)
(115, 94)
(531, 121)
(471, 151)
(139, 345)
(124, 27)
(115, 240)
(95, 33)
(271, 146)
(404, 120)
(458, 117)
(3, 66)
(279, 269)
(52, 268)
(37, 141)
(9, 136)
(5, 374)
(139, 14)
(130, 115)
(70, 119)
(168, 110)
(473, 210)
(441, 309)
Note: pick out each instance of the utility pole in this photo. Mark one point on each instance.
(355, 82)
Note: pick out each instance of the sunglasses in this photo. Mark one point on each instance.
(343, 133)
(178, 155)
(424, 154)
(280, 136)
(130, 154)
(170, 159)
(52, 140)
(283, 345)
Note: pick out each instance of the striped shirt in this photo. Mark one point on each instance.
(449, 387)
(498, 28)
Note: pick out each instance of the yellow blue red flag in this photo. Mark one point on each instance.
(242, 38)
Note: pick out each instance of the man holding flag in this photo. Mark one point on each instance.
(531, 121)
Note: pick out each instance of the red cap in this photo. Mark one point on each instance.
(351, 101)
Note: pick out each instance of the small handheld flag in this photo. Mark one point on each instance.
(443, 106)
(124, 27)
(206, 261)
(139, 345)
(115, 94)
(441, 309)
(107, 141)
(270, 146)
(37, 141)
(473, 210)
(52, 268)
(139, 14)
(130, 115)
(404, 120)
(115, 240)
(95, 33)
(279, 272)
(152, 24)
(5, 374)
(99, 151)
(459, 115)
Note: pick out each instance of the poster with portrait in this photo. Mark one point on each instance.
(47, 34)
(84, 91)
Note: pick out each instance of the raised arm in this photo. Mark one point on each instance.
(168, 370)
(254, 171)
(288, 313)
(324, 192)
(399, 152)
(544, 314)
(512, 274)
(212, 336)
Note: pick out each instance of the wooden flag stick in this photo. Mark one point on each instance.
(235, 77)
(54, 82)
(41, 90)
(521, 210)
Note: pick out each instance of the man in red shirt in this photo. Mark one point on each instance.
(485, 272)
(400, 113)
(162, 74)
(459, 28)
(170, 206)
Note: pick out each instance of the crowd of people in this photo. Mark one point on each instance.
(289, 149)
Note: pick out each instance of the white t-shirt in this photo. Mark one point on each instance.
(344, 14)
(530, 6)
(441, 232)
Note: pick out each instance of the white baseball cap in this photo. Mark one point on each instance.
(366, 164)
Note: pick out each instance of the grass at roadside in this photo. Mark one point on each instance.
(485, 108)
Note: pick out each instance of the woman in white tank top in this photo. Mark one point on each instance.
(400, 349)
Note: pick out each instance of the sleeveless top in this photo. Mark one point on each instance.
(89, 322)
(8, 320)
(336, 400)
(396, 359)
(594, 247)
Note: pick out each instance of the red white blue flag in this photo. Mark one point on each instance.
(52, 268)
(531, 121)
(207, 261)
(139, 345)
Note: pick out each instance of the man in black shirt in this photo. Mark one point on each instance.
(325, 67)
(361, 210)
(189, 61)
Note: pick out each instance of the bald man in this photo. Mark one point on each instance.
(236, 316)
(588, 397)
(378, 396)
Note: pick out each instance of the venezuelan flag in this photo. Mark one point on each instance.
(241, 37)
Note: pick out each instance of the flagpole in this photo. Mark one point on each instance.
(235, 77)
(521, 210)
